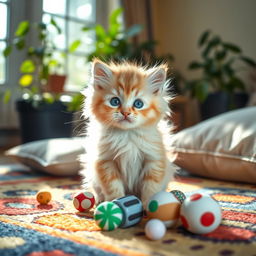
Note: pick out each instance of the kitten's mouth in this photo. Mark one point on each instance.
(125, 120)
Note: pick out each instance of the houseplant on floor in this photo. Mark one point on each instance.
(219, 88)
(43, 110)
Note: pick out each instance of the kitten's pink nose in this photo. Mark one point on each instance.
(125, 113)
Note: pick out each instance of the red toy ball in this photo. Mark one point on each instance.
(83, 201)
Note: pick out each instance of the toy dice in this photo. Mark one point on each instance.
(132, 210)
(122, 212)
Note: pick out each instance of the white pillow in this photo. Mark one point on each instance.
(223, 147)
(54, 156)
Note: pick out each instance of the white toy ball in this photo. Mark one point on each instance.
(200, 214)
(155, 229)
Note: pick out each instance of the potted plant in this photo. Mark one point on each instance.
(43, 110)
(115, 43)
(219, 87)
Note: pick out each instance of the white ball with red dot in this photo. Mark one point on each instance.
(155, 229)
(83, 201)
(200, 214)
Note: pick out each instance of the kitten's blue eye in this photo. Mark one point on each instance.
(115, 102)
(138, 103)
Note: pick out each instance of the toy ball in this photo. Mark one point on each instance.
(132, 210)
(108, 216)
(43, 197)
(200, 214)
(83, 201)
(179, 195)
(155, 229)
(165, 207)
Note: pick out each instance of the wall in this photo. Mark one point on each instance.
(179, 23)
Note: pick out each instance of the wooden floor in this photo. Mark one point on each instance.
(9, 137)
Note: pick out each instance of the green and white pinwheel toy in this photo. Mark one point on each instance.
(108, 216)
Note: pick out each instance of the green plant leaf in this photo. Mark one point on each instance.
(76, 103)
(100, 32)
(19, 43)
(45, 72)
(232, 47)
(42, 26)
(235, 83)
(114, 24)
(7, 51)
(42, 36)
(133, 30)
(228, 70)
(212, 43)
(114, 30)
(31, 51)
(54, 23)
(7, 96)
(22, 29)
(201, 90)
(87, 28)
(221, 54)
(53, 63)
(248, 61)
(48, 98)
(26, 80)
(73, 47)
(215, 41)
(195, 65)
(203, 38)
(27, 66)
(113, 18)
(211, 67)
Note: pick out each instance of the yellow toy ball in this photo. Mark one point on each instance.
(43, 197)
(165, 207)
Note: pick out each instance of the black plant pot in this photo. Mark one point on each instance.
(44, 122)
(220, 102)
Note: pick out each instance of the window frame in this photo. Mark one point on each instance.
(6, 39)
(78, 53)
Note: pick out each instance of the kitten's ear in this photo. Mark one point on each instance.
(102, 74)
(157, 78)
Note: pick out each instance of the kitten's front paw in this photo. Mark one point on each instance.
(145, 200)
(99, 198)
(114, 196)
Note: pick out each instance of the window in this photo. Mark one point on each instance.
(71, 16)
(3, 37)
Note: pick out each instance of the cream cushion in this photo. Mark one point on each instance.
(223, 147)
(55, 156)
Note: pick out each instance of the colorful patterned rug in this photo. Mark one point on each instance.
(30, 229)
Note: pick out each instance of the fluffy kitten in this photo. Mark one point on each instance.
(125, 149)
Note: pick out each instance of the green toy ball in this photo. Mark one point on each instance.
(108, 216)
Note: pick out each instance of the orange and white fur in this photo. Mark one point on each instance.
(125, 149)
